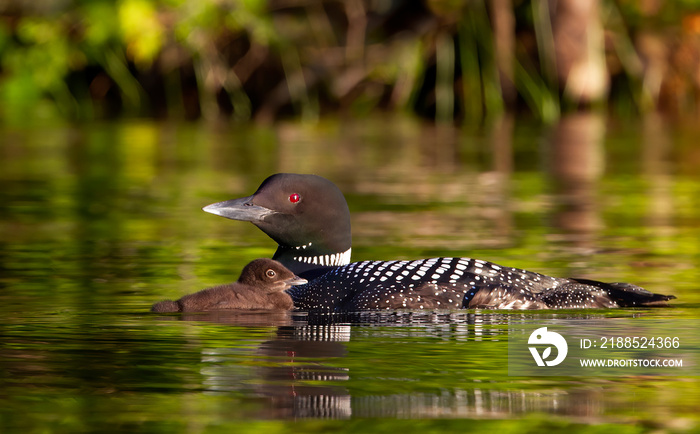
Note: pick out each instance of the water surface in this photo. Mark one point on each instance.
(99, 221)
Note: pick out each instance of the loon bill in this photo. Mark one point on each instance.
(308, 217)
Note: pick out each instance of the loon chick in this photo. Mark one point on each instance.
(308, 217)
(262, 285)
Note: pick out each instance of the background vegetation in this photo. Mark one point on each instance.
(266, 59)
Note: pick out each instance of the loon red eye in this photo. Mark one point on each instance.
(294, 197)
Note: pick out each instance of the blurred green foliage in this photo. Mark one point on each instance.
(266, 59)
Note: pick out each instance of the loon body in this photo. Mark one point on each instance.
(308, 217)
(261, 286)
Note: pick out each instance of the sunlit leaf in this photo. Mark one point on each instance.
(142, 30)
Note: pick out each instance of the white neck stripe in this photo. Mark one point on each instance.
(303, 247)
(334, 259)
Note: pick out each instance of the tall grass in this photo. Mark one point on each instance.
(262, 60)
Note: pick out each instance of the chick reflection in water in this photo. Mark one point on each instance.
(262, 285)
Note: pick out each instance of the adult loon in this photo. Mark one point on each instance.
(308, 217)
(261, 286)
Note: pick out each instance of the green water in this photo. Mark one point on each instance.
(99, 221)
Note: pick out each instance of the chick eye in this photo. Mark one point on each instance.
(270, 273)
(294, 197)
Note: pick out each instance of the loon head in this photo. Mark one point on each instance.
(306, 215)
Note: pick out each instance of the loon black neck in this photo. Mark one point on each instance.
(300, 260)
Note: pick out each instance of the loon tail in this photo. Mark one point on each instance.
(166, 306)
(628, 295)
